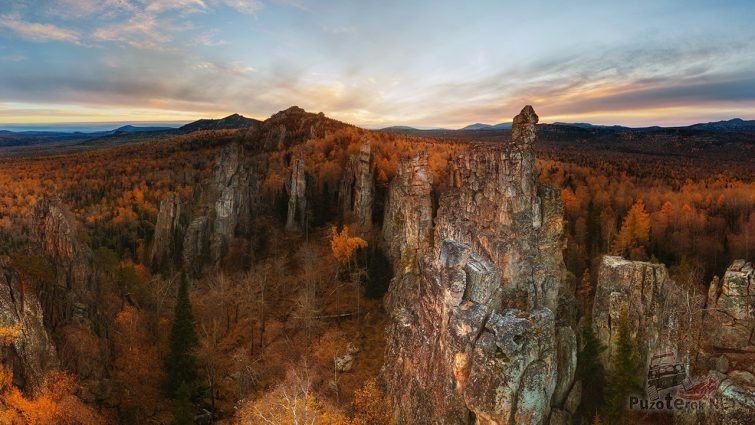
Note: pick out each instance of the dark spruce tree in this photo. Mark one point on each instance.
(180, 364)
(622, 376)
(590, 371)
(183, 409)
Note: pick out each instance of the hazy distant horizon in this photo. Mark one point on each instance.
(90, 127)
(86, 127)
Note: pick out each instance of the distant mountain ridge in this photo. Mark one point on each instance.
(232, 121)
(735, 124)
(480, 126)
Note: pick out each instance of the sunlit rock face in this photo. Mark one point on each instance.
(29, 349)
(357, 191)
(496, 206)
(224, 209)
(297, 197)
(408, 222)
(167, 238)
(472, 336)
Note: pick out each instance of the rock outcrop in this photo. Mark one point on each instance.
(497, 208)
(472, 336)
(357, 191)
(168, 232)
(664, 317)
(727, 347)
(224, 209)
(408, 222)
(714, 344)
(297, 197)
(56, 232)
(28, 347)
(729, 322)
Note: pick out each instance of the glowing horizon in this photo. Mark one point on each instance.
(369, 63)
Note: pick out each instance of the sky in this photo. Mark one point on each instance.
(377, 63)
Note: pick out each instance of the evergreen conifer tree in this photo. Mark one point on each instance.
(180, 364)
(590, 371)
(622, 377)
(183, 409)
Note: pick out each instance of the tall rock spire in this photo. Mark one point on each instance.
(473, 330)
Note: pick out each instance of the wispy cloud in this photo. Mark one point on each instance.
(38, 32)
(185, 6)
(140, 31)
(245, 6)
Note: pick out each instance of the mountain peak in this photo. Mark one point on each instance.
(232, 121)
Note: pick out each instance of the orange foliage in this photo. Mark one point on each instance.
(343, 245)
(54, 403)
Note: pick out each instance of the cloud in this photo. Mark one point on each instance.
(38, 32)
(245, 6)
(210, 39)
(185, 6)
(74, 9)
(140, 31)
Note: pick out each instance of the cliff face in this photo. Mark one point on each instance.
(357, 191)
(408, 222)
(663, 316)
(728, 344)
(297, 197)
(224, 209)
(473, 336)
(55, 230)
(168, 229)
(30, 352)
(729, 323)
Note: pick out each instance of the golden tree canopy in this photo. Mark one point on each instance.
(343, 245)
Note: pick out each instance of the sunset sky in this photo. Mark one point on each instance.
(375, 63)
